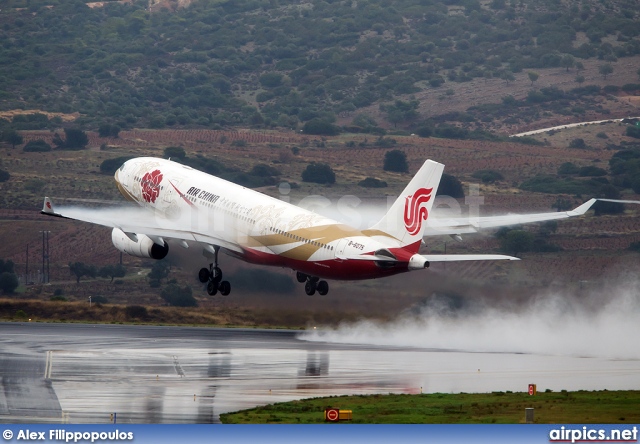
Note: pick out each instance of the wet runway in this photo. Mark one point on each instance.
(82, 373)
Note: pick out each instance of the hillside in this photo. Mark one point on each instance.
(213, 64)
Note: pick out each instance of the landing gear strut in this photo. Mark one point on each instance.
(213, 277)
(312, 284)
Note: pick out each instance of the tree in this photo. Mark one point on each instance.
(401, 111)
(580, 79)
(396, 160)
(517, 241)
(605, 70)
(568, 61)
(450, 186)
(113, 271)
(75, 139)
(175, 152)
(8, 282)
(318, 173)
(176, 296)
(533, 76)
(159, 270)
(11, 136)
(4, 176)
(608, 192)
(109, 130)
(507, 76)
(80, 269)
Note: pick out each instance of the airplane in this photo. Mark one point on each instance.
(193, 208)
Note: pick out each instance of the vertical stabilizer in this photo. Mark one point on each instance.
(406, 219)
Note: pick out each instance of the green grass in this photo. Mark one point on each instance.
(439, 408)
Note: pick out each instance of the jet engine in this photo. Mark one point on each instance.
(418, 262)
(138, 245)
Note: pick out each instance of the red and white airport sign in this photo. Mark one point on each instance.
(332, 415)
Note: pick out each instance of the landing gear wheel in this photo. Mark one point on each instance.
(203, 275)
(310, 288)
(225, 288)
(216, 274)
(212, 288)
(301, 277)
(323, 288)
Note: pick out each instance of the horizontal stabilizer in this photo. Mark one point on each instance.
(467, 257)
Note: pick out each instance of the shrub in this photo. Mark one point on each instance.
(396, 161)
(177, 296)
(577, 143)
(320, 127)
(4, 176)
(318, 173)
(59, 298)
(110, 166)
(8, 282)
(175, 152)
(263, 170)
(633, 131)
(450, 186)
(136, 312)
(488, 176)
(372, 182)
(591, 171)
(555, 185)
(109, 130)
(517, 241)
(568, 168)
(635, 246)
(36, 146)
(254, 279)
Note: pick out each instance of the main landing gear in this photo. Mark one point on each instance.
(213, 277)
(312, 284)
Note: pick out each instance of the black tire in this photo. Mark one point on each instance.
(212, 288)
(323, 288)
(301, 277)
(225, 288)
(216, 276)
(310, 288)
(203, 275)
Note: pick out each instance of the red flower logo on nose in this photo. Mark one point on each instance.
(151, 186)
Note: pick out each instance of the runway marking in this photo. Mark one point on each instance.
(48, 365)
(178, 367)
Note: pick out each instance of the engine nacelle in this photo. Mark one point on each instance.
(143, 247)
(418, 262)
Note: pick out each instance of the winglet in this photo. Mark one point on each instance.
(47, 208)
(582, 208)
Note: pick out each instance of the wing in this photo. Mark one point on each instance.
(457, 226)
(139, 221)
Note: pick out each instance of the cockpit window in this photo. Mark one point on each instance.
(121, 167)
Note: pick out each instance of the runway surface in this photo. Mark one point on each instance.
(82, 373)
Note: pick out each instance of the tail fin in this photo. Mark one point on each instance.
(405, 219)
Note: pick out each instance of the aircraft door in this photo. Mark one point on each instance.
(340, 247)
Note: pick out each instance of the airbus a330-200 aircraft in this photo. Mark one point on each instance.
(195, 209)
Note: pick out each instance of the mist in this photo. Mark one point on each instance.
(592, 323)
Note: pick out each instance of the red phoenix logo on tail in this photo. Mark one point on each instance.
(151, 186)
(415, 211)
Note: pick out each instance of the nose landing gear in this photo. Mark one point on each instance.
(213, 277)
